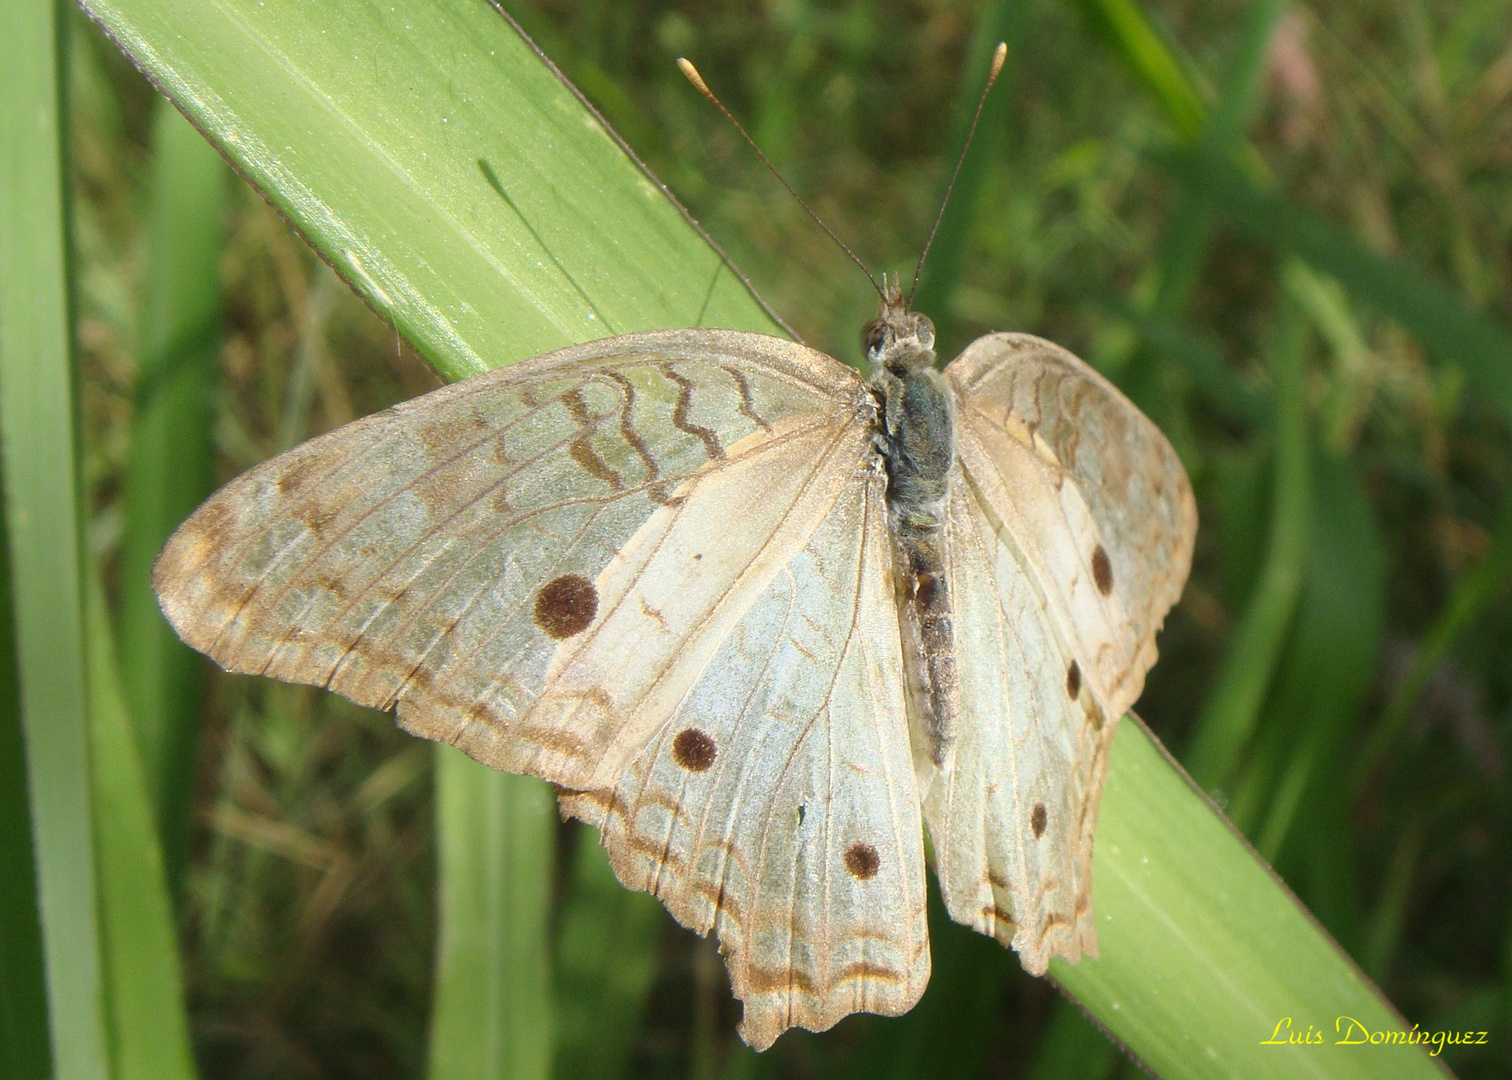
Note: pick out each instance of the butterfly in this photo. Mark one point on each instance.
(758, 619)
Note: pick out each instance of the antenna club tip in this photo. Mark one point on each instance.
(999, 57)
(692, 75)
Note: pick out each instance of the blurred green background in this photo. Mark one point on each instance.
(1284, 230)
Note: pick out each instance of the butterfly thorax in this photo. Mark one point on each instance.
(916, 439)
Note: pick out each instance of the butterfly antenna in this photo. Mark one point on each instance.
(999, 55)
(703, 88)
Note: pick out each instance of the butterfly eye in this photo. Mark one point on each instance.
(871, 337)
(925, 331)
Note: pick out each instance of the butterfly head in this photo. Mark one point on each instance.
(898, 339)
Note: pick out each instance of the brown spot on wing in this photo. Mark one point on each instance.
(1073, 681)
(316, 516)
(1038, 819)
(1102, 570)
(295, 475)
(566, 606)
(862, 860)
(694, 750)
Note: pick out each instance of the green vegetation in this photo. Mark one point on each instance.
(1283, 230)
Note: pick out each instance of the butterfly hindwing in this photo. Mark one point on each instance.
(436, 558)
(778, 806)
(1069, 532)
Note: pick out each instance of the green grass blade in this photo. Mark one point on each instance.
(1184, 247)
(1204, 953)
(1233, 707)
(1001, 20)
(172, 463)
(480, 208)
(24, 1052)
(37, 430)
(1479, 586)
(1152, 60)
(144, 993)
(492, 1013)
(606, 958)
(1331, 659)
(1171, 340)
(1428, 309)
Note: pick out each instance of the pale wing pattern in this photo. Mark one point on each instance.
(1070, 531)
(1012, 813)
(778, 805)
(1127, 497)
(438, 556)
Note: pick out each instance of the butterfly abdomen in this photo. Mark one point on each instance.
(918, 447)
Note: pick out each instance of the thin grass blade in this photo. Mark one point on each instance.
(1005, 21)
(1228, 719)
(24, 1050)
(1427, 308)
(1478, 588)
(171, 467)
(606, 958)
(37, 430)
(144, 992)
(1152, 60)
(492, 1017)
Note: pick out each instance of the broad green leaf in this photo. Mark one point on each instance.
(440, 166)
(1184, 974)
(1072, 1046)
(1205, 954)
(37, 430)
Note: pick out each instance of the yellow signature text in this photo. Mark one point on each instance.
(1351, 1032)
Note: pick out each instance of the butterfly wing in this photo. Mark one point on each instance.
(1070, 530)
(654, 569)
(779, 807)
(444, 558)
(1106, 504)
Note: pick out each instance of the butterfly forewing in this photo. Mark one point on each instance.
(437, 556)
(670, 596)
(778, 806)
(1089, 487)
